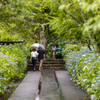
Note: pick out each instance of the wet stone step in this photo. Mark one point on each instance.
(49, 65)
(56, 64)
(47, 62)
(50, 62)
(54, 68)
(57, 67)
(49, 89)
(54, 59)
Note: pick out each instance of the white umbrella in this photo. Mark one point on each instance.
(37, 45)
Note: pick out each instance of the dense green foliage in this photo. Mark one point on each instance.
(73, 21)
(76, 20)
(13, 63)
(18, 18)
(60, 46)
(84, 67)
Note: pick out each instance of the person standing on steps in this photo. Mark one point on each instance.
(41, 57)
(33, 58)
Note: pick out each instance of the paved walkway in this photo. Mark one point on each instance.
(49, 91)
(28, 87)
(69, 90)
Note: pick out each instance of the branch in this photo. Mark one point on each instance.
(73, 17)
(92, 39)
(55, 3)
(83, 15)
(89, 45)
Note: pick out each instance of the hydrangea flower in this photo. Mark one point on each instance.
(93, 97)
(62, 48)
(58, 43)
(49, 45)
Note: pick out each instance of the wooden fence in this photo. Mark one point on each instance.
(11, 42)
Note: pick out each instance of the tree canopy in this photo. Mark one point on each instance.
(76, 20)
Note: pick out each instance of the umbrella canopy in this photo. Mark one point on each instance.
(37, 45)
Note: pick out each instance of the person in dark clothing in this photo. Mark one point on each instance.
(41, 57)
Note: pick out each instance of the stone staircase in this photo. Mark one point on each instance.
(56, 64)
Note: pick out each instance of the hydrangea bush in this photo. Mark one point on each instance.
(13, 63)
(59, 49)
(84, 66)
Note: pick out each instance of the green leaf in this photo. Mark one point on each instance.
(88, 8)
(62, 7)
(95, 28)
(94, 7)
(98, 26)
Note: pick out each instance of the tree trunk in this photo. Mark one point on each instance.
(92, 39)
(44, 32)
(89, 46)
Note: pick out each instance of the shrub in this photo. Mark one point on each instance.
(60, 46)
(13, 63)
(84, 66)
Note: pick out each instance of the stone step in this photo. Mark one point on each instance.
(56, 64)
(54, 68)
(47, 65)
(54, 59)
(50, 62)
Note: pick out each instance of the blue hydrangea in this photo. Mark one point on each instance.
(73, 71)
(91, 57)
(58, 48)
(71, 79)
(62, 48)
(56, 52)
(49, 45)
(16, 68)
(58, 43)
(93, 66)
(46, 55)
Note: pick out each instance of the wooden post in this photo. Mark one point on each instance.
(54, 51)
